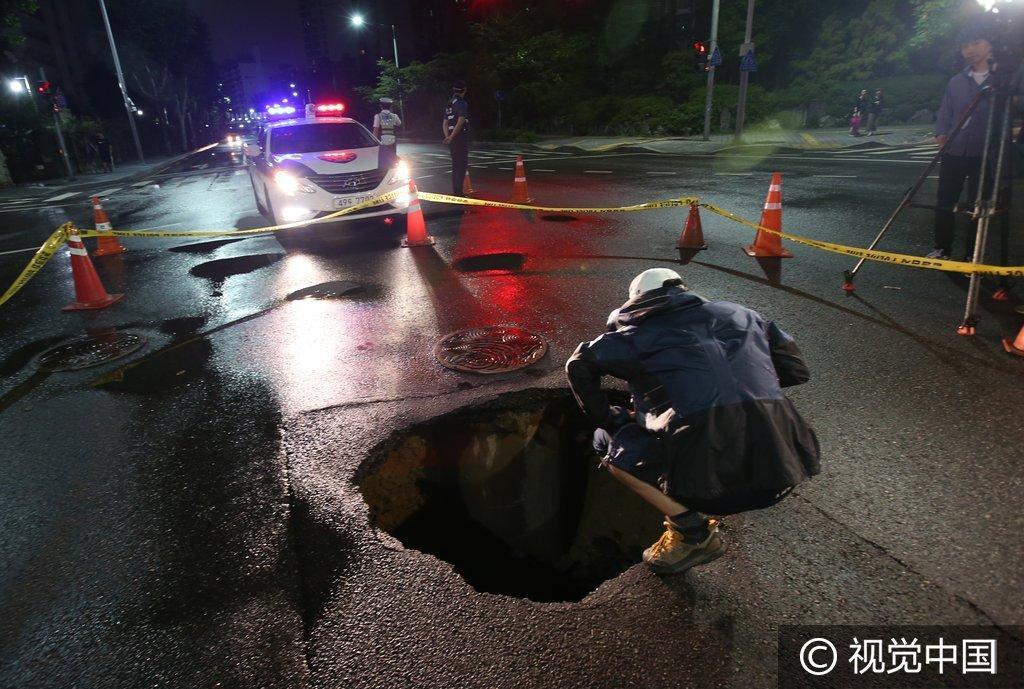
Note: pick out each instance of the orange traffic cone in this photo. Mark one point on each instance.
(692, 236)
(519, 192)
(467, 185)
(415, 227)
(768, 244)
(105, 246)
(89, 292)
(1017, 346)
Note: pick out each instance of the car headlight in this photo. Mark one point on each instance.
(400, 173)
(290, 184)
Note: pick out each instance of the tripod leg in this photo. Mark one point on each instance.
(983, 212)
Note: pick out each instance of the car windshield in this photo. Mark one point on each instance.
(310, 138)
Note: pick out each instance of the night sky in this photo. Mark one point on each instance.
(236, 26)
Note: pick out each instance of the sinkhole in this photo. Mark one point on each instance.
(511, 495)
(491, 263)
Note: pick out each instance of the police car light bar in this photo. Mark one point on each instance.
(279, 110)
(330, 108)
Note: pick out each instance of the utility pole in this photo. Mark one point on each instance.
(741, 106)
(120, 82)
(56, 126)
(401, 99)
(711, 71)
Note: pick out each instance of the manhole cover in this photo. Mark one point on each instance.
(90, 351)
(494, 349)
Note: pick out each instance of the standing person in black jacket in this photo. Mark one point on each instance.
(710, 430)
(455, 126)
(874, 112)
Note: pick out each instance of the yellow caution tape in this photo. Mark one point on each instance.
(880, 256)
(462, 200)
(57, 239)
(39, 259)
(369, 203)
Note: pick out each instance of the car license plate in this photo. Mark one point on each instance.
(349, 201)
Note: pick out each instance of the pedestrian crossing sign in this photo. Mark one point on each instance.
(748, 63)
(716, 57)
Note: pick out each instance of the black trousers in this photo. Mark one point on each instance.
(954, 171)
(459, 148)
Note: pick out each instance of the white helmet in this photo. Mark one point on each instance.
(653, 278)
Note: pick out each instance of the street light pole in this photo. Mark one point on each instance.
(120, 81)
(401, 99)
(741, 106)
(711, 71)
(60, 134)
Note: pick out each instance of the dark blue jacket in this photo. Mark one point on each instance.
(707, 378)
(960, 92)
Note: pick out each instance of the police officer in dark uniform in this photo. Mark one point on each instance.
(455, 128)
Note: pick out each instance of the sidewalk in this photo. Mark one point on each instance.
(124, 172)
(806, 139)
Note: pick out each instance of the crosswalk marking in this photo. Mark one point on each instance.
(143, 183)
(107, 192)
(60, 197)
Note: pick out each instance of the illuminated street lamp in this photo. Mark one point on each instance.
(358, 21)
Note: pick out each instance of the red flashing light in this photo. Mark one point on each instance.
(330, 109)
(44, 88)
(700, 47)
(338, 157)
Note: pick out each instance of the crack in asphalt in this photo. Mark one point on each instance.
(910, 568)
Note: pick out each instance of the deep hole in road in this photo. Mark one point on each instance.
(511, 494)
(217, 271)
(503, 262)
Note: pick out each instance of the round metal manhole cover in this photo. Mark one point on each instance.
(494, 349)
(90, 351)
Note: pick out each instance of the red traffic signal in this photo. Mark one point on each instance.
(700, 48)
(43, 88)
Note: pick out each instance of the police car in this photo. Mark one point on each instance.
(307, 167)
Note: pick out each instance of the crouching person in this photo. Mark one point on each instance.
(710, 432)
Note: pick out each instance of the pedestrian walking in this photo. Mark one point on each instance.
(874, 112)
(710, 431)
(105, 151)
(859, 108)
(960, 164)
(385, 124)
(455, 127)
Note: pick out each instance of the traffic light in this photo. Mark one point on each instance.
(43, 88)
(700, 56)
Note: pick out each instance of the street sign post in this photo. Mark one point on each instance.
(748, 63)
(716, 57)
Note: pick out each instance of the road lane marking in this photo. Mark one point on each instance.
(19, 251)
(142, 184)
(107, 192)
(61, 197)
(598, 172)
(537, 169)
(833, 175)
(160, 227)
(734, 174)
(662, 173)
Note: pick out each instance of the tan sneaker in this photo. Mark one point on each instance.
(671, 554)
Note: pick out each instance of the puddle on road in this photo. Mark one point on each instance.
(204, 247)
(217, 271)
(327, 290)
(502, 262)
(511, 495)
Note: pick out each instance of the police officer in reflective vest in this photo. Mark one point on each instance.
(455, 128)
(385, 123)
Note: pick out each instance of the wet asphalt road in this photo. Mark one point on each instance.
(186, 516)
